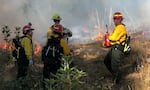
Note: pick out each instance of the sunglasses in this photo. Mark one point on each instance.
(56, 20)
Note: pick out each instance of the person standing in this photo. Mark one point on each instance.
(53, 51)
(117, 39)
(25, 51)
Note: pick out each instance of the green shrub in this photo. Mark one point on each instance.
(67, 78)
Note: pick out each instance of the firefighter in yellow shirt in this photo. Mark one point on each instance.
(25, 51)
(115, 55)
(51, 54)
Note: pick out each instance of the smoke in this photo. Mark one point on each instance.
(76, 14)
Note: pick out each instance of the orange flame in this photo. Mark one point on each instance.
(6, 46)
(10, 47)
(37, 49)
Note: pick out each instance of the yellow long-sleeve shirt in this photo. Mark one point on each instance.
(26, 43)
(65, 46)
(118, 35)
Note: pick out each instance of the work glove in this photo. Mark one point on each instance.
(30, 62)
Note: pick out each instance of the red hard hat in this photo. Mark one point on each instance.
(26, 28)
(58, 28)
(118, 15)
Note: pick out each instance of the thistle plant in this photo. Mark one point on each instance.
(17, 31)
(6, 33)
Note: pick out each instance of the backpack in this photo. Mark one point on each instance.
(19, 52)
(53, 49)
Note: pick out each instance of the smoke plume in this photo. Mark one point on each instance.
(76, 14)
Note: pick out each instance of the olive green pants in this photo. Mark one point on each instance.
(113, 61)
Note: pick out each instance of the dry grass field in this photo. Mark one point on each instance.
(89, 58)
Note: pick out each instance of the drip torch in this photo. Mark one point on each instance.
(106, 42)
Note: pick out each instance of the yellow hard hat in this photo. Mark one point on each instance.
(56, 16)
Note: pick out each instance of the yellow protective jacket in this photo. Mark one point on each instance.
(63, 41)
(118, 35)
(49, 34)
(26, 43)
